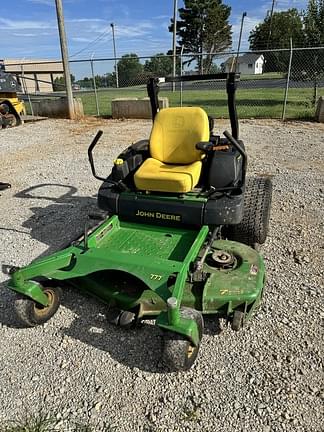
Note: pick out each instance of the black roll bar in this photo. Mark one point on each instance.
(231, 79)
(207, 77)
(231, 103)
(153, 92)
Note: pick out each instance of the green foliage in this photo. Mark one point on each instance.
(276, 34)
(314, 36)
(305, 28)
(204, 27)
(285, 25)
(130, 70)
(41, 423)
(106, 80)
(85, 83)
(102, 81)
(59, 83)
(110, 79)
(314, 23)
(215, 69)
(252, 102)
(159, 65)
(33, 423)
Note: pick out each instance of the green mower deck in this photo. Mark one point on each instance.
(150, 270)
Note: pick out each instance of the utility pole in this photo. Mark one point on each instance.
(65, 58)
(112, 25)
(270, 28)
(181, 73)
(174, 45)
(287, 82)
(235, 59)
(239, 42)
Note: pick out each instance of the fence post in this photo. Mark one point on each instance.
(174, 42)
(26, 89)
(287, 82)
(112, 25)
(94, 86)
(181, 73)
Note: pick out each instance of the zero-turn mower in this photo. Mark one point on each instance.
(175, 238)
(11, 107)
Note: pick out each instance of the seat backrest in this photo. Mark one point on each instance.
(175, 133)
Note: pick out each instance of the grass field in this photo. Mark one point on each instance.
(258, 103)
(254, 102)
(268, 75)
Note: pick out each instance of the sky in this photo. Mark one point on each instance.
(29, 27)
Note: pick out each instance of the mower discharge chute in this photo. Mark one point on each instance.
(177, 239)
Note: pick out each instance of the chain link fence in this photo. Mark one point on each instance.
(282, 83)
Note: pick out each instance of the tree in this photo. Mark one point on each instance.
(59, 83)
(276, 33)
(314, 23)
(314, 37)
(85, 82)
(130, 70)
(204, 28)
(110, 79)
(159, 65)
(214, 69)
(102, 81)
(106, 80)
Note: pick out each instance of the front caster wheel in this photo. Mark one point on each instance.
(31, 313)
(121, 318)
(237, 320)
(178, 352)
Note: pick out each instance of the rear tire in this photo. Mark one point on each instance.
(178, 352)
(254, 226)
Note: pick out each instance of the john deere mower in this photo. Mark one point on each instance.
(11, 108)
(175, 237)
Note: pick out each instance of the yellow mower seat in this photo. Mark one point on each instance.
(161, 177)
(175, 163)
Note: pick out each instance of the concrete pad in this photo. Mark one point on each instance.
(57, 108)
(319, 115)
(135, 108)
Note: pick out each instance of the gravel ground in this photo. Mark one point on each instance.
(79, 369)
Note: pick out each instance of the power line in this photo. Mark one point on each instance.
(96, 40)
(94, 50)
(148, 52)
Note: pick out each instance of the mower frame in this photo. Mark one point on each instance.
(174, 272)
(168, 267)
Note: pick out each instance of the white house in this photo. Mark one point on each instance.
(248, 64)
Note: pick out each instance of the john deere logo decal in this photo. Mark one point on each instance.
(158, 215)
